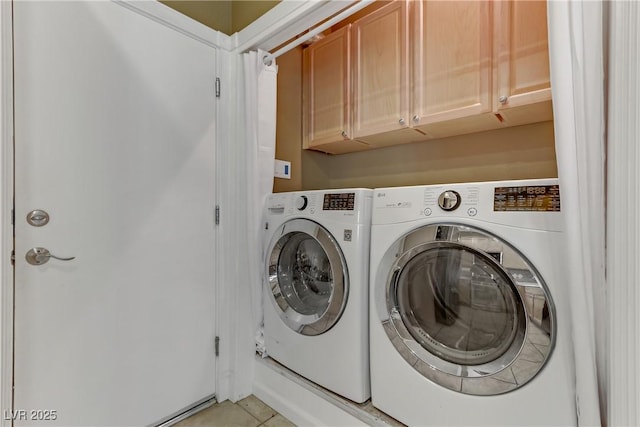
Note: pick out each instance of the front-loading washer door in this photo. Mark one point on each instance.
(467, 310)
(307, 277)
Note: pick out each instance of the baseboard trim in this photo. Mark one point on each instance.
(305, 403)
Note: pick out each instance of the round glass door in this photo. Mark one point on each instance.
(450, 325)
(307, 277)
(457, 297)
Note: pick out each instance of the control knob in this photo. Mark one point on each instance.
(301, 203)
(449, 200)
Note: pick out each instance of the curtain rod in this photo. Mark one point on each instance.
(267, 59)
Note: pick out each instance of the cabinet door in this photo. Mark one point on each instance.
(522, 57)
(452, 61)
(380, 52)
(326, 97)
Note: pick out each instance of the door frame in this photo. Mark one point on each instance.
(152, 10)
(6, 206)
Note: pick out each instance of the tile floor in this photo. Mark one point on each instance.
(248, 412)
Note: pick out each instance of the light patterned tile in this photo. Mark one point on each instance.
(524, 370)
(279, 421)
(225, 414)
(257, 408)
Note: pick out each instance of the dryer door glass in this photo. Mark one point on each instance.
(466, 309)
(307, 277)
(458, 305)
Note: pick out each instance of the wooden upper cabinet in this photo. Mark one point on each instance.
(523, 92)
(327, 90)
(452, 57)
(452, 62)
(380, 71)
(407, 71)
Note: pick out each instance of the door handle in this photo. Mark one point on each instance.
(39, 256)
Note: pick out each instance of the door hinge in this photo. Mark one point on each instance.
(217, 214)
(217, 346)
(217, 87)
(13, 257)
(13, 217)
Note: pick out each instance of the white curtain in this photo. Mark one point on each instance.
(623, 221)
(577, 79)
(260, 117)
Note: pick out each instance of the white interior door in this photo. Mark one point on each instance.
(114, 139)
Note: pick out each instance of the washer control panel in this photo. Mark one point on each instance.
(339, 202)
(350, 205)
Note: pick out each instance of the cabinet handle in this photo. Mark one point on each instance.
(416, 119)
(344, 133)
(401, 121)
(502, 99)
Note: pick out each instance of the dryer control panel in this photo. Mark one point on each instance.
(537, 198)
(461, 198)
(534, 203)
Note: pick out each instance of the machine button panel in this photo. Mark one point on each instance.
(339, 202)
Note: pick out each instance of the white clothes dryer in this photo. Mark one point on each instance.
(469, 317)
(316, 286)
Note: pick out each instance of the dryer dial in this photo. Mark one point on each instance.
(449, 200)
(301, 203)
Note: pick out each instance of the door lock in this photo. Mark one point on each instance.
(38, 218)
(39, 256)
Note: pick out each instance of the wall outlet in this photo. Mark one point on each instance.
(282, 169)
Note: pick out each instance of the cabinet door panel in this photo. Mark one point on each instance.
(522, 54)
(452, 52)
(327, 89)
(380, 52)
(529, 47)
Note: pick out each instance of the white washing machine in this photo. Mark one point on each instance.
(316, 286)
(469, 319)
